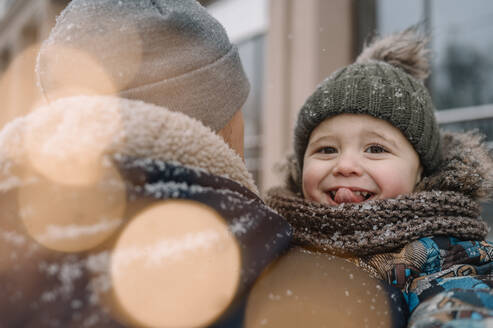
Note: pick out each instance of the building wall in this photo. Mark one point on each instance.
(307, 40)
(23, 26)
(303, 42)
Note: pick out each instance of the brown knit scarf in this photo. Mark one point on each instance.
(444, 203)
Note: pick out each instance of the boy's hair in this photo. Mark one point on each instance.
(386, 82)
(171, 53)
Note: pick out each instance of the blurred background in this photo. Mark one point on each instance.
(287, 48)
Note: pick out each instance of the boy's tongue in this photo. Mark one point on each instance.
(346, 195)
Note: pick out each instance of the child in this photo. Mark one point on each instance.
(374, 180)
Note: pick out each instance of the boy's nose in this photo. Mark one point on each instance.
(347, 165)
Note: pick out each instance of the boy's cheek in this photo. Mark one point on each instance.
(310, 186)
(396, 183)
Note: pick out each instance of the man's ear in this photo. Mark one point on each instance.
(233, 133)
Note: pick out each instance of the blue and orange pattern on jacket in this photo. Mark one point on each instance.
(446, 282)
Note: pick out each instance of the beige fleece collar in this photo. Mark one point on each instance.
(74, 129)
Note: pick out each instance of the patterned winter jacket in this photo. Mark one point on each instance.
(446, 282)
(429, 244)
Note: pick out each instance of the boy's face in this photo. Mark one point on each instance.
(352, 158)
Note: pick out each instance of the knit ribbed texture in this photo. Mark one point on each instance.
(382, 91)
(171, 53)
(378, 226)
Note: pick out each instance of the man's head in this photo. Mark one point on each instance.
(171, 53)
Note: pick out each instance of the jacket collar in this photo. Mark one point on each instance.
(89, 126)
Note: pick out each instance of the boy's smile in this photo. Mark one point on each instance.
(352, 158)
(349, 195)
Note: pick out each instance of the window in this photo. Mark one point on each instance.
(251, 53)
(4, 7)
(246, 25)
(461, 82)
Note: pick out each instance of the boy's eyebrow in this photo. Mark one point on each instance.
(381, 136)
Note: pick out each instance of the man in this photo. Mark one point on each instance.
(127, 201)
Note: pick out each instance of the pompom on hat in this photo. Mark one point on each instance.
(386, 82)
(170, 53)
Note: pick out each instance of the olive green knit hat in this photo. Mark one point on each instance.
(386, 82)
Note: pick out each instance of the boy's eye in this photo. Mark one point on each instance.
(327, 150)
(375, 149)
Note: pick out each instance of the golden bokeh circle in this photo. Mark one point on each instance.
(66, 71)
(308, 289)
(19, 93)
(71, 218)
(68, 145)
(176, 264)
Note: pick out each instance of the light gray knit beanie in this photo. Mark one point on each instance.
(386, 82)
(171, 53)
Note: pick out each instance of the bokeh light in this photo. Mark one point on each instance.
(65, 71)
(80, 59)
(71, 218)
(18, 90)
(67, 145)
(305, 289)
(176, 264)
